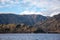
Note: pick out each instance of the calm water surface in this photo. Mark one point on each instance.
(29, 36)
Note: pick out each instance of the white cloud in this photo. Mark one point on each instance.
(7, 3)
(52, 12)
(55, 13)
(51, 6)
(31, 13)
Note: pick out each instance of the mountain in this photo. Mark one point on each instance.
(18, 19)
(13, 23)
(51, 25)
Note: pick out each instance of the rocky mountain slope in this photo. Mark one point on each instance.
(11, 23)
(51, 25)
(18, 19)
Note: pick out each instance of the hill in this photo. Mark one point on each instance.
(51, 25)
(18, 19)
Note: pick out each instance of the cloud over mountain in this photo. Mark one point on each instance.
(46, 7)
(30, 13)
(49, 6)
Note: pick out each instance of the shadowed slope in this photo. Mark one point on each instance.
(18, 19)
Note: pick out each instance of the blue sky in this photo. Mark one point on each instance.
(42, 7)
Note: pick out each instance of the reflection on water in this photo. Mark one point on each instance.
(29, 36)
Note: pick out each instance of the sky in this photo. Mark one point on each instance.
(21, 7)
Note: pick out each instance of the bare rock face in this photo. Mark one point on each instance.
(52, 25)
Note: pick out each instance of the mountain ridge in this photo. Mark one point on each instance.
(12, 23)
(52, 24)
(17, 19)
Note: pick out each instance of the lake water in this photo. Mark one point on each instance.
(29, 36)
